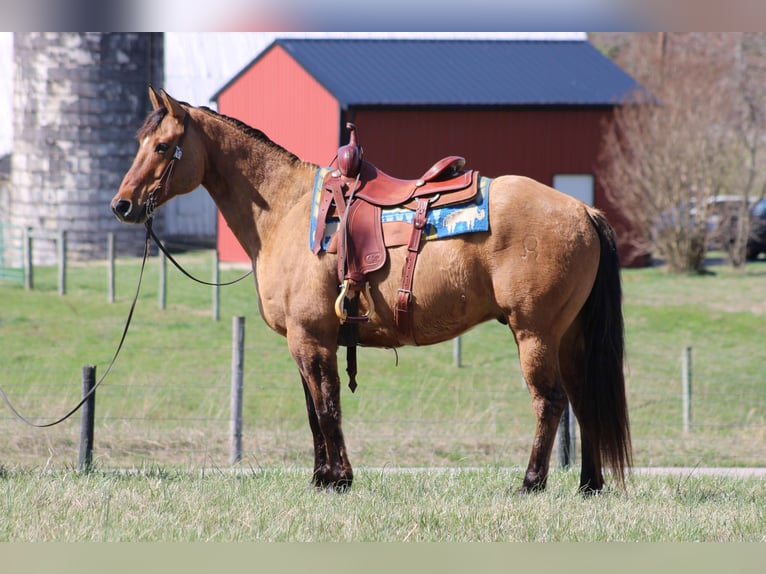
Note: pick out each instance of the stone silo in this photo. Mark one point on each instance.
(78, 100)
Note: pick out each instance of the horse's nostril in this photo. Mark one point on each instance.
(122, 207)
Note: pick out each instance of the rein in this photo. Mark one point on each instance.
(184, 271)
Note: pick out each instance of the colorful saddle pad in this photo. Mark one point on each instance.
(469, 217)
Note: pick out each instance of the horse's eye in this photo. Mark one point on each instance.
(161, 148)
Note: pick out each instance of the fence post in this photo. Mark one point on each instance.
(28, 269)
(61, 252)
(457, 351)
(237, 370)
(686, 387)
(566, 438)
(216, 288)
(110, 267)
(85, 460)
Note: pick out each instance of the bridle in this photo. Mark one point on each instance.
(151, 206)
(167, 173)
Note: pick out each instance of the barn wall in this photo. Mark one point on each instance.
(279, 98)
(535, 142)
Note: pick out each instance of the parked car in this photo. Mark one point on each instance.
(722, 224)
(722, 215)
(756, 241)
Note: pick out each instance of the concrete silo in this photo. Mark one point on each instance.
(78, 100)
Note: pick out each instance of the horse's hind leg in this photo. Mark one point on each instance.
(591, 477)
(540, 367)
(572, 357)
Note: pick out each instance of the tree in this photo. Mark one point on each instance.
(750, 129)
(668, 158)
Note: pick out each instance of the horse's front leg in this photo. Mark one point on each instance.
(320, 452)
(318, 366)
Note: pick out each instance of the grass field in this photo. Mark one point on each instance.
(448, 506)
(165, 408)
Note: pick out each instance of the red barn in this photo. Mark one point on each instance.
(533, 108)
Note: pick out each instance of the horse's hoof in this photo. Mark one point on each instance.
(341, 485)
(526, 489)
(327, 479)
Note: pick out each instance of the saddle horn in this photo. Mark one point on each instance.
(350, 155)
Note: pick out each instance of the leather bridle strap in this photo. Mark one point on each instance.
(164, 183)
(167, 174)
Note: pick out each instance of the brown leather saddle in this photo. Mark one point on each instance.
(356, 193)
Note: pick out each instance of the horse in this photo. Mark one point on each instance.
(547, 267)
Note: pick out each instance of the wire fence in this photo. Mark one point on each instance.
(401, 419)
(169, 402)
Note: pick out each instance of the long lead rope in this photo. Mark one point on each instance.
(147, 245)
(114, 358)
(164, 182)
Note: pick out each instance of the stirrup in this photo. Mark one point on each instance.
(340, 310)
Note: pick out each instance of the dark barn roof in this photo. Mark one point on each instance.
(460, 72)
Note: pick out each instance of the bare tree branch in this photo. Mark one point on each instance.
(668, 163)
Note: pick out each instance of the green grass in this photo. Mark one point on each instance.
(166, 402)
(448, 506)
(722, 317)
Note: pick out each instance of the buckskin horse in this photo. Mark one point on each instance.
(547, 267)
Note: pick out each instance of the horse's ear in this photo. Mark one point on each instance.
(172, 106)
(154, 97)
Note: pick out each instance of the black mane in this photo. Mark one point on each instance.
(247, 130)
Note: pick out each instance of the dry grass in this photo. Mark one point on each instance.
(383, 506)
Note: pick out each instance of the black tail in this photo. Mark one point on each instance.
(604, 409)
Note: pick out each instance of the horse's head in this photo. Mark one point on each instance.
(167, 163)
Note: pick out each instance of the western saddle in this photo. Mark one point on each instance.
(356, 193)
